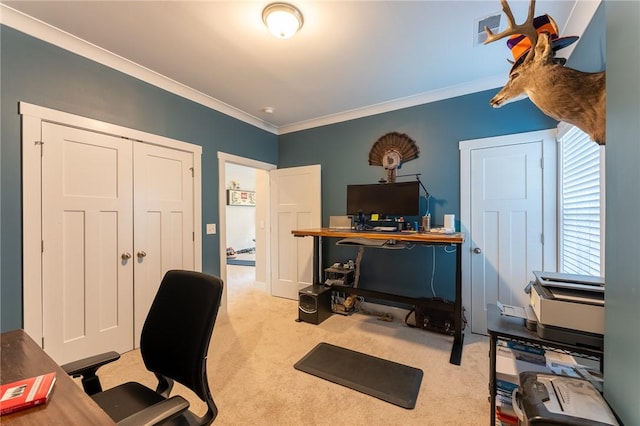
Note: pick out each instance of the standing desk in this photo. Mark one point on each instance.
(430, 238)
(21, 357)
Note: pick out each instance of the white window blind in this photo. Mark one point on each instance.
(581, 204)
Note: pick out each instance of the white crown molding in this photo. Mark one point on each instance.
(578, 21)
(45, 32)
(50, 34)
(396, 104)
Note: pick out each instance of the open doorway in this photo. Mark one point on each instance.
(243, 185)
(240, 228)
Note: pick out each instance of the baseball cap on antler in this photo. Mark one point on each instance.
(520, 44)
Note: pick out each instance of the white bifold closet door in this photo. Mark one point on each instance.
(163, 221)
(116, 214)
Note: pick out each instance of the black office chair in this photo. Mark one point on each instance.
(174, 344)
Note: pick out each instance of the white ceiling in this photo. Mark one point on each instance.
(350, 59)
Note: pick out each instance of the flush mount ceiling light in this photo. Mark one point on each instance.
(282, 19)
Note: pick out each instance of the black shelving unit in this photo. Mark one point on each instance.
(506, 328)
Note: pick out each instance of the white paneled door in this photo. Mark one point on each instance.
(116, 215)
(295, 204)
(506, 225)
(87, 234)
(163, 221)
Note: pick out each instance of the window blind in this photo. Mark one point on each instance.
(580, 205)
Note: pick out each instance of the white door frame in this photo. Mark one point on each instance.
(32, 118)
(263, 193)
(549, 197)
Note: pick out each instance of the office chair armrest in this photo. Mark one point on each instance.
(157, 413)
(87, 367)
(77, 368)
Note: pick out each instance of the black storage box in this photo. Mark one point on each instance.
(314, 304)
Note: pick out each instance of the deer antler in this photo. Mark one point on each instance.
(526, 28)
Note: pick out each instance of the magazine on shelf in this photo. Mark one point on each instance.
(26, 393)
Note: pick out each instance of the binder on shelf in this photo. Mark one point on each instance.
(26, 393)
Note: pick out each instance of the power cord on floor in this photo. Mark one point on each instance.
(382, 316)
(406, 318)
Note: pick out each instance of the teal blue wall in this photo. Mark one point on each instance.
(343, 149)
(45, 75)
(622, 265)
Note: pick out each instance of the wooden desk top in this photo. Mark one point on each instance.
(68, 404)
(408, 236)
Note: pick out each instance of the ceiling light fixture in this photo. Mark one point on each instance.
(282, 19)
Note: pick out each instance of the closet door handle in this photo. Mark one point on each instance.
(126, 256)
(141, 254)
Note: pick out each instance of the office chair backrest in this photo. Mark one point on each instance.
(176, 333)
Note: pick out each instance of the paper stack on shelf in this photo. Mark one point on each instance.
(512, 359)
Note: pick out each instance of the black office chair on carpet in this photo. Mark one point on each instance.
(174, 344)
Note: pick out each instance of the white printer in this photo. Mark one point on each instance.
(569, 308)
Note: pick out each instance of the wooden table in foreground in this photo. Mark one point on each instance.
(430, 238)
(68, 404)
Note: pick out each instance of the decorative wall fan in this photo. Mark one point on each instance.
(390, 151)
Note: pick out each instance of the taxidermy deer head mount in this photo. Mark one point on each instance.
(565, 94)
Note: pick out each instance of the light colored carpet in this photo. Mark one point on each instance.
(253, 381)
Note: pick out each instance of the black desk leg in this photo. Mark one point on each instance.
(493, 341)
(456, 350)
(458, 339)
(316, 260)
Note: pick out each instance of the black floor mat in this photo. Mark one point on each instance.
(389, 381)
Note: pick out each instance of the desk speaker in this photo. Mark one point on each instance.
(314, 304)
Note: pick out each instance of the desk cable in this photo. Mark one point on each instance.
(357, 266)
(433, 269)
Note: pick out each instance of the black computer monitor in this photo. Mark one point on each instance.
(385, 199)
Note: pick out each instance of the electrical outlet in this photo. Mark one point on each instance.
(211, 228)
